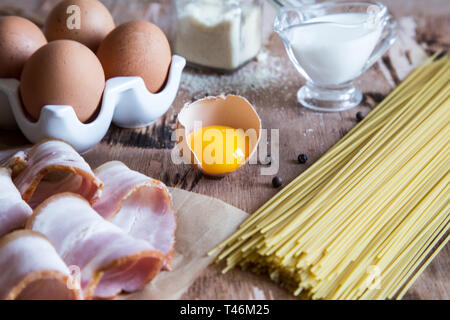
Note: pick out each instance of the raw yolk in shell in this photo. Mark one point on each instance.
(219, 149)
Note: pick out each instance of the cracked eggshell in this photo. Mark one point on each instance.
(227, 110)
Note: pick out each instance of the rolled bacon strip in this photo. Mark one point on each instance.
(14, 159)
(110, 261)
(14, 212)
(31, 269)
(139, 205)
(54, 156)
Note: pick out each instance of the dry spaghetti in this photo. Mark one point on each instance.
(367, 217)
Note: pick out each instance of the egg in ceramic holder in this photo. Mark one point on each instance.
(225, 110)
(126, 102)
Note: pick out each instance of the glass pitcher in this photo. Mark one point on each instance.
(331, 44)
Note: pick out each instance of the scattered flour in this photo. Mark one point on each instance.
(263, 72)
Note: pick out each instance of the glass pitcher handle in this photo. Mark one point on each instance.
(285, 18)
(389, 30)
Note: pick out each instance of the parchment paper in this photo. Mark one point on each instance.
(202, 223)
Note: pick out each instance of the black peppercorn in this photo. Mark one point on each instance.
(359, 116)
(302, 158)
(378, 97)
(277, 182)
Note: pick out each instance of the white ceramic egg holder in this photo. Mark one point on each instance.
(126, 102)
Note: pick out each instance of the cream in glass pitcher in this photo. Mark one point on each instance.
(331, 44)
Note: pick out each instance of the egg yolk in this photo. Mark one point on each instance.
(219, 149)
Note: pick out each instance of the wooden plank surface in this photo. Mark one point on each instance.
(270, 83)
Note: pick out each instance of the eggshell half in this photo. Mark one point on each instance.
(137, 48)
(230, 110)
(63, 72)
(95, 22)
(19, 39)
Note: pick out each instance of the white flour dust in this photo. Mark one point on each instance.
(264, 72)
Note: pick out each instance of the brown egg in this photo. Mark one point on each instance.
(95, 22)
(63, 72)
(19, 39)
(137, 48)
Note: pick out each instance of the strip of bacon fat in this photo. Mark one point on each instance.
(53, 166)
(14, 212)
(32, 269)
(109, 260)
(139, 205)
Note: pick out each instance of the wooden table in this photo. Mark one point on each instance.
(270, 83)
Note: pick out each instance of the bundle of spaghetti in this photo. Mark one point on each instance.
(368, 215)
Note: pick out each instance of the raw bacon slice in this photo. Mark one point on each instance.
(14, 159)
(31, 269)
(139, 205)
(110, 261)
(49, 159)
(14, 212)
